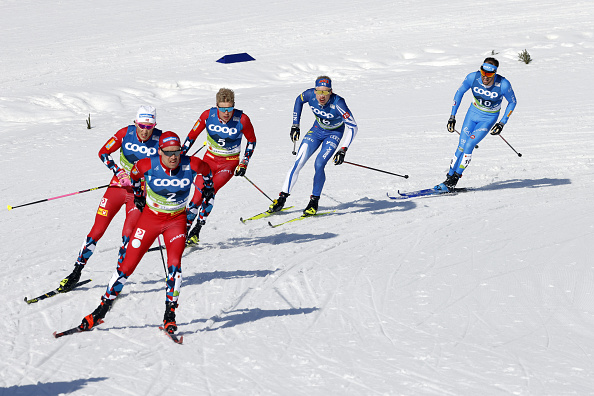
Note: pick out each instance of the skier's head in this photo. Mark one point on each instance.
(323, 89)
(488, 70)
(225, 104)
(146, 119)
(170, 149)
(146, 115)
(169, 139)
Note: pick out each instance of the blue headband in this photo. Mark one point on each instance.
(324, 82)
(489, 67)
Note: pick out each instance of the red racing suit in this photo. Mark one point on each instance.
(223, 149)
(131, 150)
(167, 194)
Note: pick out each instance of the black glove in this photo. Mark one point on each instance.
(497, 128)
(139, 201)
(207, 193)
(294, 133)
(452, 124)
(339, 156)
(241, 168)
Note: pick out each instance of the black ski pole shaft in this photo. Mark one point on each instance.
(197, 151)
(510, 146)
(476, 146)
(162, 256)
(258, 188)
(60, 196)
(377, 170)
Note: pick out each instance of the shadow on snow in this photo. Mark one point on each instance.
(49, 388)
(242, 316)
(523, 183)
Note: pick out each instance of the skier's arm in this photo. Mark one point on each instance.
(508, 93)
(350, 123)
(250, 135)
(466, 85)
(112, 145)
(196, 130)
(298, 107)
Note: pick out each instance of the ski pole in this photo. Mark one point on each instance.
(294, 145)
(476, 146)
(201, 147)
(519, 154)
(162, 258)
(378, 170)
(61, 196)
(245, 177)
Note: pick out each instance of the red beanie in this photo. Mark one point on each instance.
(169, 139)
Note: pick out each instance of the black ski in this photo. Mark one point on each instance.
(54, 292)
(74, 330)
(172, 336)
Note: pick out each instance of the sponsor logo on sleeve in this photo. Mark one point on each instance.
(196, 125)
(346, 115)
(103, 202)
(102, 212)
(110, 143)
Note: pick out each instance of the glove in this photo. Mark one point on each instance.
(207, 193)
(294, 133)
(452, 124)
(124, 178)
(497, 128)
(339, 156)
(241, 168)
(139, 201)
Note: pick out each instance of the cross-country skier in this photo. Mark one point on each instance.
(334, 123)
(168, 180)
(488, 89)
(136, 141)
(225, 125)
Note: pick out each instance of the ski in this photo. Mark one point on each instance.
(54, 292)
(74, 330)
(425, 192)
(173, 336)
(303, 216)
(262, 215)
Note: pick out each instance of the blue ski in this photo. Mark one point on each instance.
(424, 193)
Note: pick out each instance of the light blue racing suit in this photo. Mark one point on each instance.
(481, 115)
(334, 122)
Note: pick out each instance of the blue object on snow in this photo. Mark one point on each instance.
(234, 58)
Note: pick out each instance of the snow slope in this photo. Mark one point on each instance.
(481, 293)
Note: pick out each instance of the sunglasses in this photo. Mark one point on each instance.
(177, 153)
(226, 109)
(322, 92)
(487, 74)
(146, 126)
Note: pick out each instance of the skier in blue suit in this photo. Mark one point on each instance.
(488, 89)
(334, 123)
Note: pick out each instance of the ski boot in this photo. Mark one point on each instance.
(169, 318)
(193, 235)
(93, 318)
(449, 184)
(278, 204)
(71, 280)
(312, 207)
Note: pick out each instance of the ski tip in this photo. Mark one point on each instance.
(9, 207)
(55, 334)
(406, 176)
(242, 220)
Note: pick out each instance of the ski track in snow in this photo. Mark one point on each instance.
(486, 292)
